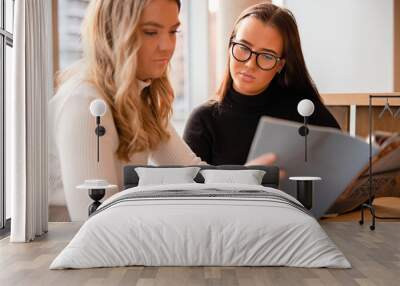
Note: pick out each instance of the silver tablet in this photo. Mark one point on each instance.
(332, 155)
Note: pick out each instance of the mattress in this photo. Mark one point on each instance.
(201, 225)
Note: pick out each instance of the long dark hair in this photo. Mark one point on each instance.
(179, 4)
(294, 75)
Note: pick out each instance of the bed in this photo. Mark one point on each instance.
(201, 224)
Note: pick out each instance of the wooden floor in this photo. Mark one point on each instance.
(374, 255)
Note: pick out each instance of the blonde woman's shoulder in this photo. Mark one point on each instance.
(73, 91)
(72, 100)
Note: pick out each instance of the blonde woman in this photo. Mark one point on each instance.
(127, 47)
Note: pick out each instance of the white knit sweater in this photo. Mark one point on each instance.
(73, 142)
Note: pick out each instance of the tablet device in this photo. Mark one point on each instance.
(332, 155)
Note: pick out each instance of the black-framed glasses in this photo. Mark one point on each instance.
(265, 61)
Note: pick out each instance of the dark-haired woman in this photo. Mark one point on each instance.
(266, 75)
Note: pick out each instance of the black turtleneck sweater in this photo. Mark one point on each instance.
(222, 132)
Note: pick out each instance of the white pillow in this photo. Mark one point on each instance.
(248, 177)
(162, 176)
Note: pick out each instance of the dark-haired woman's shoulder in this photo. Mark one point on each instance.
(201, 117)
(206, 109)
(198, 133)
(323, 117)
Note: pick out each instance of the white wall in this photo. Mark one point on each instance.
(348, 44)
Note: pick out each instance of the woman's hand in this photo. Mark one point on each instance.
(266, 159)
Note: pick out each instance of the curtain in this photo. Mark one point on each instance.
(27, 120)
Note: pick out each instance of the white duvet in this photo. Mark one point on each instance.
(200, 231)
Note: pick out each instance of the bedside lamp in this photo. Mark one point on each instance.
(305, 108)
(305, 184)
(98, 108)
(97, 188)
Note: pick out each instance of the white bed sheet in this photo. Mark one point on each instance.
(200, 231)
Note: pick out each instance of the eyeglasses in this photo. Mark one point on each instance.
(265, 61)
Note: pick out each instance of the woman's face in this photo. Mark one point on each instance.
(158, 26)
(248, 77)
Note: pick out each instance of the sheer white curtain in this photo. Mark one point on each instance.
(27, 120)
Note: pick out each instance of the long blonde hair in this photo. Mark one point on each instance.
(111, 41)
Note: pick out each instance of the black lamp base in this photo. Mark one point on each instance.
(96, 195)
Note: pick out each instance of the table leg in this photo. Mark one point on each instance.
(305, 193)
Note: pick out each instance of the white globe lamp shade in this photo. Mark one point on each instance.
(305, 107)
(98, 107)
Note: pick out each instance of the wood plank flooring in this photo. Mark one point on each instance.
(375, 257)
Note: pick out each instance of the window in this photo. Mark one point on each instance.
(6, 44)
(70, 17)
(179, 69)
